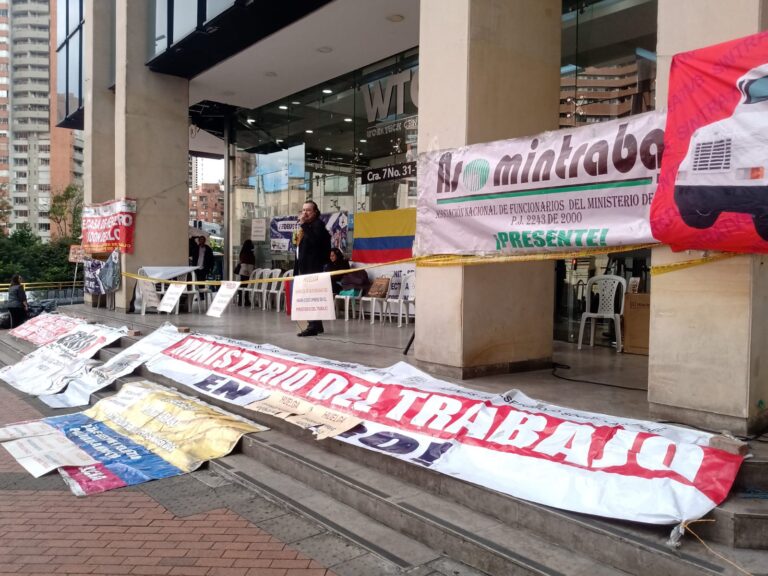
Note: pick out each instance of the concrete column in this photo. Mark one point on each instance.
(489, 70)
(709, 324)
(151, 146)
(99, 102)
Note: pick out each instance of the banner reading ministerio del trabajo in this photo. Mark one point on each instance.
(587, 187)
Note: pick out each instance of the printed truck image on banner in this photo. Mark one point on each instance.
(384, 235)
(144, 432)
(713, 191)
(109, 225)
(574, 460)
(568, 190)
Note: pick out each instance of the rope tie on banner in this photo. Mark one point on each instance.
(440, 260)
(680, 529)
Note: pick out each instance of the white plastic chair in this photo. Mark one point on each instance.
(247, 289)
(347, 300)
(606, 289)
(276, 292)
(264, 288)
(258, 290)
(192, 292)
(374, 302)
(405, 298)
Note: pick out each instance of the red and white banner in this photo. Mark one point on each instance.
(713, 189)
(590, 463)
(45, 328)
(109, 225)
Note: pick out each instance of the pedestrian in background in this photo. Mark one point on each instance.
(17, 301)
(246, 266)
(338, 262)
(312, 250)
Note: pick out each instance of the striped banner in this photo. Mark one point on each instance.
(384, 236)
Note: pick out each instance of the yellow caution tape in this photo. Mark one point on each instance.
(440, 260)
(675, 266)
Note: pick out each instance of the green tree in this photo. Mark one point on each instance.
(5, 213)
(23, 252)
(66, 212)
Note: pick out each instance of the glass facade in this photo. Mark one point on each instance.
(348, 144)
(69, 67)
(608, 71)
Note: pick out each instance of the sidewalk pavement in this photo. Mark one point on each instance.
(178, 526)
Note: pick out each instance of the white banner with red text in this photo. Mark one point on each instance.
(590, 463)
(566, 190)
(45, 370)
(45, 328)
(109, 225)
(92, 378)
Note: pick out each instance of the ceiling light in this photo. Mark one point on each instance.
(363, 140)
(347, 119)
(283, 107)
(295, 103)
(279, 140)
(329, 149)
(251, 120)
(395, 18)
(327, 91)
(325, 49)
(308, 131)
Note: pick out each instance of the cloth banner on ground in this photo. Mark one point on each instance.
(282, 230)
(45, 328)
(90, 379)
(590, 463)
(566, 190)
(109, 225)
(713, 190)
(45, 370)
(144, 432)
(384, 235)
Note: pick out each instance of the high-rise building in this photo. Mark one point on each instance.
(5, 200)
(42, 161)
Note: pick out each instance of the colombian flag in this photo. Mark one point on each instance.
(384, 235)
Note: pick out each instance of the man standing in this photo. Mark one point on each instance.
(203, 258)
(313, 247)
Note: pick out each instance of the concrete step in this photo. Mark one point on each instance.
(739, 522)
(443, 512)
(449, 529)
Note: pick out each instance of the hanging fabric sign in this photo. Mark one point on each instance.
(588, 187)
(713, 191)
(109, 225)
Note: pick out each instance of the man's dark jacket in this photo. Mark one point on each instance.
(314, 248)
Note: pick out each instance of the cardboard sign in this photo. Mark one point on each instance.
(77, 254)
(313, 298)
(223, 297)
(171, 297)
